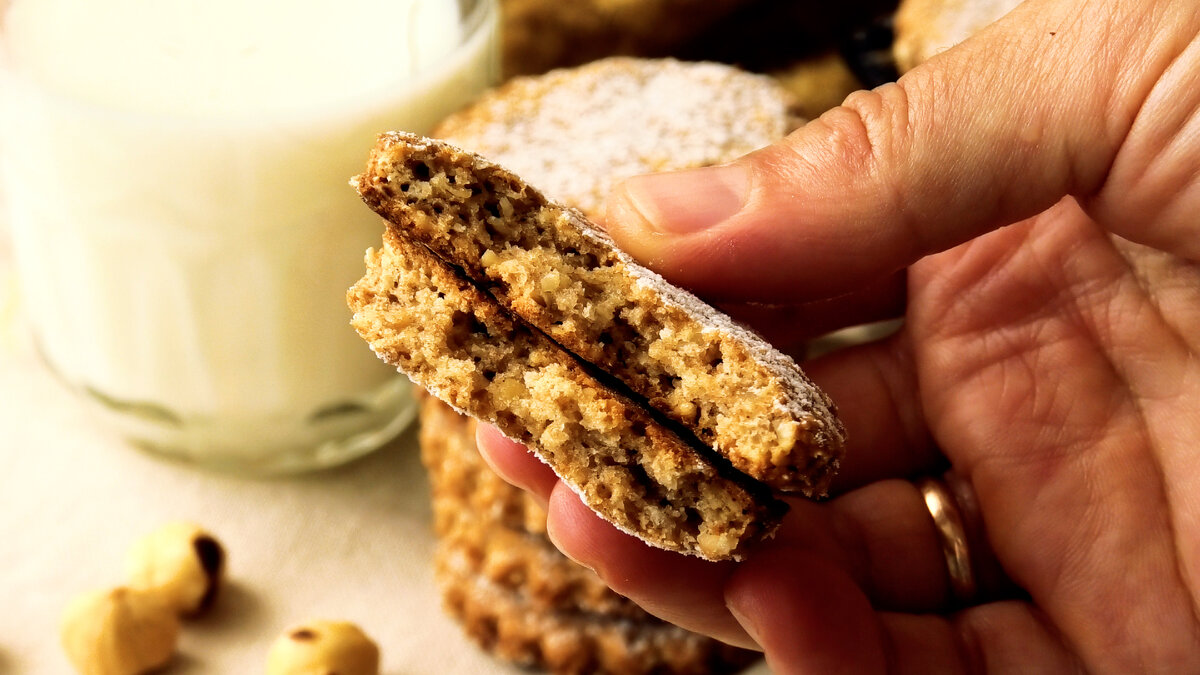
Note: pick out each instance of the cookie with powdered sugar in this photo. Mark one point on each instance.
(421, 315)
(576, 132)
(548, 265)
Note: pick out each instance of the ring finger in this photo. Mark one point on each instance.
(882, 535)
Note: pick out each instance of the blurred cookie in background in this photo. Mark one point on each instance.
(540, 35)
(925, 28)
(818, 83)
(577, 132)
(820, 51)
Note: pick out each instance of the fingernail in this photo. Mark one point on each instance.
(683, 202)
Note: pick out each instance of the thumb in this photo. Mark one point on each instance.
(1032, 109)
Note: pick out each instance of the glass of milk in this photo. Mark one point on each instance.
(176, 174)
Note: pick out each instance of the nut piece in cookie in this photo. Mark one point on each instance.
(420, 315)
(548, 265)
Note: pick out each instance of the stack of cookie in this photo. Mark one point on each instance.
(576, 133)
(521, 599)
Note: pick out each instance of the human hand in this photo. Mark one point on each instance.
(1054, 363)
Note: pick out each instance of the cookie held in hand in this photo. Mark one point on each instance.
(420, 314)
(546, 264)
(662, 413)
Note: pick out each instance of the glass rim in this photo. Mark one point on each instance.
(479, 19)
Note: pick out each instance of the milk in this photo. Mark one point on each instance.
(176, 173)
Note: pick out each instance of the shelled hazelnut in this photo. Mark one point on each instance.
(181, 562)
(324, 647)
(122, 631)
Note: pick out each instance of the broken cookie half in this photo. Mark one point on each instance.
(421, 315)
(667, 417)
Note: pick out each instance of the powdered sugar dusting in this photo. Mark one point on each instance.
(576, 133)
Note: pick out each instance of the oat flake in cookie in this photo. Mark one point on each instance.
(548, 265)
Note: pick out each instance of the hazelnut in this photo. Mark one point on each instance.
(121, 631)
(182, 563)
(320, 647)
(552, 281)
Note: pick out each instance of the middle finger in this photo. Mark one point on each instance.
(882, 535)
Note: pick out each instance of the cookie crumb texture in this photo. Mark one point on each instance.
(548, 265)
(450, 337)
(462, 482)
(472, 515)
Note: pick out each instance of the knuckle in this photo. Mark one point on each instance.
(858, 142)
